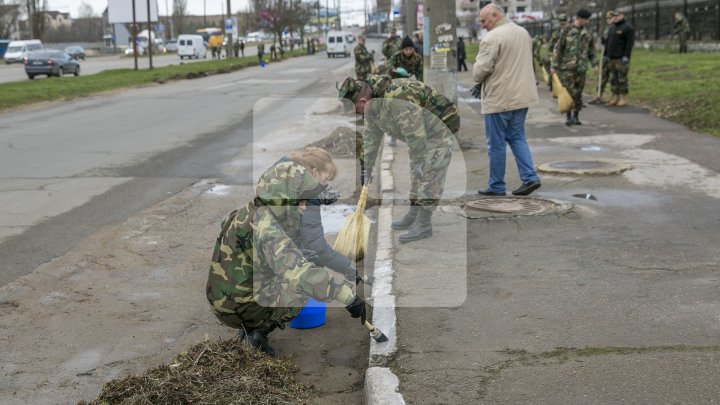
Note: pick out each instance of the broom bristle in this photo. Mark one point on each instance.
(352, 239)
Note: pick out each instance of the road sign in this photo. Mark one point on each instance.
(228, 24)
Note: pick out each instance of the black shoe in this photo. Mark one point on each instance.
(258, 339)
(491, 193)
(568, 119)
(527, 188)
(421, 228)
(575, 118)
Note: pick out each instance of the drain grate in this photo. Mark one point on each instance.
(584, 167)
(513, 206)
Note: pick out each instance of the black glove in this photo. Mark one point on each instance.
(357, 309)
(310, 255)
(328, 195)
(365, 175)
(351, 274)
(476, 90)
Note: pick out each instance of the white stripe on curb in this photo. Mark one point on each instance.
(381, 385)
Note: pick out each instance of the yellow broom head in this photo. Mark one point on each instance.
(565, 101)
(352, 240)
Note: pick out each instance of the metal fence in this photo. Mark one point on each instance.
(653, 19)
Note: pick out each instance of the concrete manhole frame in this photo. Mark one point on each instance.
(596, 167)
(511, 207)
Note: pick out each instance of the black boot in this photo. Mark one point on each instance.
(568, 119)
(421, 228)
(575, 119)
(258, 339)
(408, 219)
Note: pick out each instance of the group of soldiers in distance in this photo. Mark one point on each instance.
(571, 50)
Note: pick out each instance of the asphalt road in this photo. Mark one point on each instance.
(68, 168)
(92, 65)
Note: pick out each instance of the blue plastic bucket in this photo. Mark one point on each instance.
(311, 316)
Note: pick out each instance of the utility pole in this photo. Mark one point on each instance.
(228, 35)
(440, 65)
(150, 35)
(134, 35)
(410, 17)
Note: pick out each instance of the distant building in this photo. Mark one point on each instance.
(56, 20)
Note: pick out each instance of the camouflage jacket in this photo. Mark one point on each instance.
(553, 41)
(537, 45)
(574, 50)
(390, 46)
(256, 259)
(413, 65)
(681, 26)
(409, 110)
(363, 60)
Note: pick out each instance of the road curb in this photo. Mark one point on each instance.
(381, 385)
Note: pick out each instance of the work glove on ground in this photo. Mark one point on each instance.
(357, 309)
(476, 90)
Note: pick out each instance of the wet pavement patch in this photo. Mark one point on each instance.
(513, 206)
(589, 167)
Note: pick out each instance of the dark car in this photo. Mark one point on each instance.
(50, 63)
(76, 52)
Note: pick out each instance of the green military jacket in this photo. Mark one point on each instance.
(413, 65)
(255, 259)
(409, 110)
(363, 60)
(681, 27)
(390, 46)
(574, 50)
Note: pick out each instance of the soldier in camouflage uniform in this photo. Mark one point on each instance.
(605, 71)
(259, 279)
(573, 52)
(536, 46)
(363, 60)
(681, 28)
(408, 59)
(562, 25)
(391, 46)
(426, 120)
(620, 42)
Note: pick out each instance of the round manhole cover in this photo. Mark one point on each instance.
(512, 206)
(584, 167)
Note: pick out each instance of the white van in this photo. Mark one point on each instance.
(337, 43)
(18, 50)
(191, 46)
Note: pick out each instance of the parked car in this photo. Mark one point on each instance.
(76, 52)
(50, 63)
(171, 46)
(129, 50)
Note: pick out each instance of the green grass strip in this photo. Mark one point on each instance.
(17, 94)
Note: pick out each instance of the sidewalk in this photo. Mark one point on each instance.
(612, 300)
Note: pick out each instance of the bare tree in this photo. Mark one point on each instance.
(85, 10)
(8, 18)
(178, 16)
(36, 17)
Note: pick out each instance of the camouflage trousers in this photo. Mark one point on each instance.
(618, 76)
(427, 176)
(362, 74)
(604, 76)
(682, 42)
(252, 315)
(574, 83)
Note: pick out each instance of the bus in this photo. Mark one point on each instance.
(213, 36)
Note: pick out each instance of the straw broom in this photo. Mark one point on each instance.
(352, 241)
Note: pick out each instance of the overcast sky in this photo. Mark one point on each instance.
(212, 7)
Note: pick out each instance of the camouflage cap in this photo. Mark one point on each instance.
(610, 14)
(562, 17)
(350, 89)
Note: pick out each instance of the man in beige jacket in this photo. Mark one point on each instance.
(506, 86)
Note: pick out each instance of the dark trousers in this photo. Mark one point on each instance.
(461, 64)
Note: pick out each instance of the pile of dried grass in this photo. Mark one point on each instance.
(343, 142)
(213, 372)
